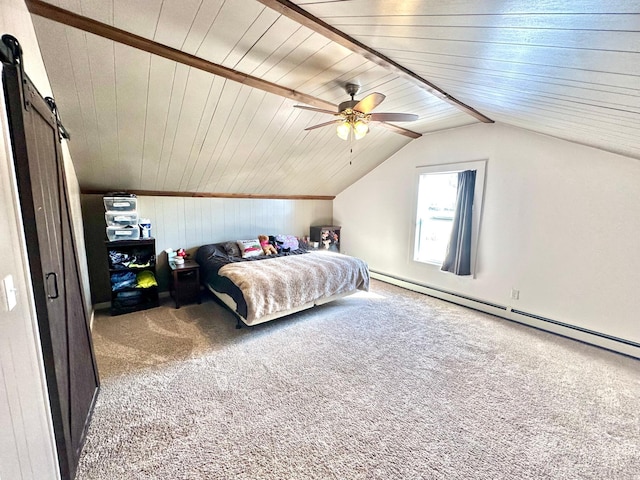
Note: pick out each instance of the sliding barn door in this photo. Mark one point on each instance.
(72, 377)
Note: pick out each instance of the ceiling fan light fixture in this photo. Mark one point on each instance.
(360, 129)
(343, 129)
(353, 116)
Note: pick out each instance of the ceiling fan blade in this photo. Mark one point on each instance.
(369, 102)
(400, 130)
(394, 117)
(313, 109)
(323, 124)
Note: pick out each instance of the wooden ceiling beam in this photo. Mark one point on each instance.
(159, 193)
(89, 25)
(400, 130)
(297, 14)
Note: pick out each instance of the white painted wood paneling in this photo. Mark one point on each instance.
(209, 131)
(270, 47)
(290, 70)
(414, 8)
(161, 76)
(568, 69)
(188, 123)
(205, 16)
(253, 34)
(232, 21)
(175, 22)
(176, 98)
(102, 58)
(81, 70)
(433, 19)
(140, 18)
(279, 51)
(132, 68)
(232, 106)
(162, 126)
(101, 10)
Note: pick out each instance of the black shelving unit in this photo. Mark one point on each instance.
(132, 299)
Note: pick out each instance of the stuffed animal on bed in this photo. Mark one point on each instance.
(267, 248)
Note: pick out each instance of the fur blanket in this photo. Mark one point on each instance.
(284, 283)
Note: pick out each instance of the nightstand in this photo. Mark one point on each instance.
(185, 282)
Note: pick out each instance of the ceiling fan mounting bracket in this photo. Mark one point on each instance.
(352, 89)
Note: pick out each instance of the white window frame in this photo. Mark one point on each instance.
(480, 167)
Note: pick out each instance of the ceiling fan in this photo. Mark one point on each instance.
(354, 116)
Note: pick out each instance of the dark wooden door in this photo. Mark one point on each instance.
(72, 377)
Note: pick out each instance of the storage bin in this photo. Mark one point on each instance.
(121, 219)
(120, 204)
(123, 233)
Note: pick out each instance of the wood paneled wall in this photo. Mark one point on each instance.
(186, 222)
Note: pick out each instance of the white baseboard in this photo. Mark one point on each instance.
(602, 340)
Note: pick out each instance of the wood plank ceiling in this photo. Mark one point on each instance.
(142, 122)
(567, 68)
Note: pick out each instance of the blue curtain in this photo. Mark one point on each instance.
(458, 257)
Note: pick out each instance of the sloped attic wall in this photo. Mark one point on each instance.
(560, 223)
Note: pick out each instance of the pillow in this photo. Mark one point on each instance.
(250, 248)
(207, 252)
(232, 249)
(287, 241)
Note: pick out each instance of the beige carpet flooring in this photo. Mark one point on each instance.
(388, 384)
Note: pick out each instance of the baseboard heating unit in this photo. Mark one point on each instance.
(602, 340)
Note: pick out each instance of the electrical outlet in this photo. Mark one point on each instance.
(515, 294)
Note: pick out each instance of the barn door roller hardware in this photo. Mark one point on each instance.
(54, 109)
(10, 50)
(11, 54)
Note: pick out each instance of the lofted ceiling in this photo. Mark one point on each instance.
(143, 121)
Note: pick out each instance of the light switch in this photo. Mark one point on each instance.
(10, 292)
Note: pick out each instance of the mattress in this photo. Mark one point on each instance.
(267, 287)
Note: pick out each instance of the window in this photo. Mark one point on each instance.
(436, 205)
(436, 192)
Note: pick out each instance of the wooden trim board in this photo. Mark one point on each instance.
(158, 193)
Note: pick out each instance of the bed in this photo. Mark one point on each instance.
(262, 288)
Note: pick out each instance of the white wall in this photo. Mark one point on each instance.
(561, 223)
(78, 228)
(186, 222)
(27, 449)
